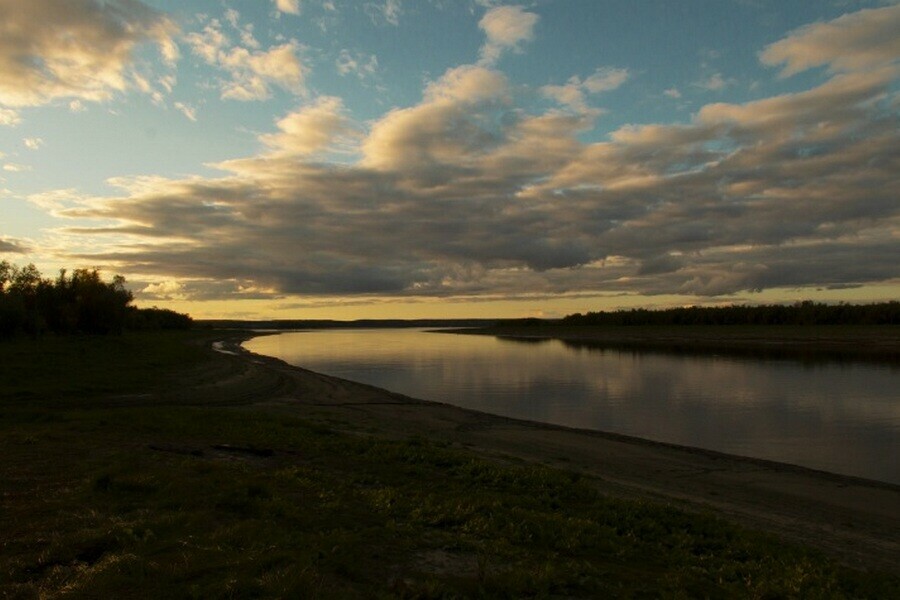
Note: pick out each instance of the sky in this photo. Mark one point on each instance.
(454, 158)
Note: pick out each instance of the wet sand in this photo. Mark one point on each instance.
(854, 520)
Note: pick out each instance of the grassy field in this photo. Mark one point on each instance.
(105, 491)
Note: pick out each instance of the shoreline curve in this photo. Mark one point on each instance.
(855, 520)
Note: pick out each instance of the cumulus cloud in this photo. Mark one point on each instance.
(82, 49)
(569, 94)
(252, 71)
(164, 290)
(467, 193)
(445, 135)
(310, 129)
(862, 40)
(288, 6)
(33, 143)
(506, 28)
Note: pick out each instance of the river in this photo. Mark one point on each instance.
(838, 417)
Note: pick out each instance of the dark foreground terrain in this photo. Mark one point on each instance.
(147, 465)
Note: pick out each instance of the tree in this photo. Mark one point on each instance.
(80, 303)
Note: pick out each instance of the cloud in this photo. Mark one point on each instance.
(55, 202)
(252, 71)
(15, 168)
(569, 94)
(452, 128)
(314, 128)
(187, 110)
(33, 143)
(12, 246)
(164, 290)
(506, 28)
(672, 93)
(358, 64)
(9, 117)
(606, 79)
(82, 49)
(713, 83)
(863, 40)
(388, 11)
(288, 6)
(572, 93)
(469, 193)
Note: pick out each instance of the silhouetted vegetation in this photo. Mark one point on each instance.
(801, 313)
(78, 303)
(152, 319)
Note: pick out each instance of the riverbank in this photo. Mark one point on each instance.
(156, 466)
(844, 516)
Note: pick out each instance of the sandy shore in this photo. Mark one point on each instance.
(854, 520)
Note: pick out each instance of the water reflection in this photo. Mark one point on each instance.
(841, 417)
(810, 355)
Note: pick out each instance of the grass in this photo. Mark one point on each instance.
(193, 501)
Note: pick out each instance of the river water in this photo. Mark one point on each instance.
(838, 417)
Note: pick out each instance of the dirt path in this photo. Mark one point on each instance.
(855, 520)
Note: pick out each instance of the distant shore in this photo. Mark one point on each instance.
(868, 343)
(854, 520)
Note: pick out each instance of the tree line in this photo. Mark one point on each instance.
(80, 302)
(801, 313)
